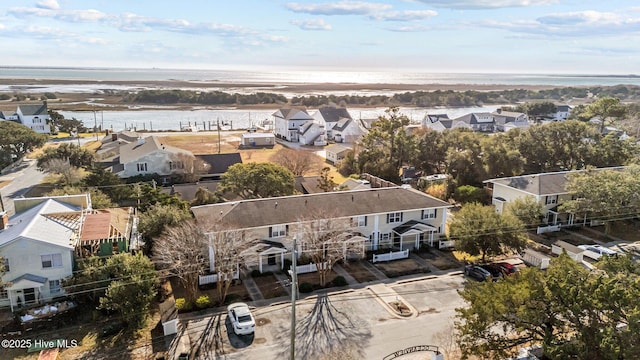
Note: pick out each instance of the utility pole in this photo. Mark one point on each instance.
(95, 125)
(294, 292)
(218, 135)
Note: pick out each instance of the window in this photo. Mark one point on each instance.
(429, 214)
(4, 294)
(553, 199)
(278, 231)
(385, 237)
(173, 165)
(54, 287)
(394, 217)
(51, 260)
(360, 221)
(142, 167)
(7, 268)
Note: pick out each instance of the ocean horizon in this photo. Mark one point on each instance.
(101, 74)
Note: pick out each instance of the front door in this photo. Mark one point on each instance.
(271, 259)
(29, 296)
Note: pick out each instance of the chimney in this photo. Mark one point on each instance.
(5, 220)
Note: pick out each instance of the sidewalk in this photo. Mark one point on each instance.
(388, 296)
(342, 272)
(375, 271)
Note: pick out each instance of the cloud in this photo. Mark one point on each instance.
(573, 24)
(486, 4)
(74, 16)
(338, 8)
(48, 4)
(311, 24)
(408, 15)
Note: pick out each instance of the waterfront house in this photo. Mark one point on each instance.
(481, 121)
(287, 123)
(311, 133)
(394, 218)
(329, 117)
(507, 120)
(35, 117)
(38, 245)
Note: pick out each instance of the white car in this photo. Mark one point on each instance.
(599, 250)
(241, 319)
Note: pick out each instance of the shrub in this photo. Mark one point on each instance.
(203, 302)
(50, 95)
(183, 305)
(468, 194)
(305, 287)
(340, 281)
(255, 273)
(5, 96)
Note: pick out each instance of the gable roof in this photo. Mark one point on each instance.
(290, 113)
(143, 146)
(51, 221)
(307, 184)
(188, 192)
(353, 184)
(552, 183)
(472, 118)
(30, 110)
(291, 209)
(563, 108)
(220, 163)
(334, 114)
(342, 124)
(436, 117)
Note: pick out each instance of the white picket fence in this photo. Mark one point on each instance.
(303, 269)
(550, 228)
(210, 279)
(391, 256)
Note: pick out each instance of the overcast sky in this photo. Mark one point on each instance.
(515, 36)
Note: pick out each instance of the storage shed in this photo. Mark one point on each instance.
(254, 139)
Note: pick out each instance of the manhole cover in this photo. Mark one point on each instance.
(262, 321)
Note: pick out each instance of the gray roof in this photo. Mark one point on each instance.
(541, 184)
(289, 113)
(30, 277)
(219, 163)
(306, 127)
(342, 124)
(337, 148)
(291, 209)
(334, 114)
(563, 108)
(353, 184)
(133, 151)
(35, 224)
(307, 184)
(29, 110)
(472, 118)
(187, 192)
(436, 117)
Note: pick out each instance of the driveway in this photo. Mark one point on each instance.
(22, 178)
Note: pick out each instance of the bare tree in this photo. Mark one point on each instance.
(188, 167)
(181, 251)
(69, 173)
(299, 162)
(227, 246)
(327, 240)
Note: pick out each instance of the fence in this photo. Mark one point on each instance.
(391, 256)
(550, 228)
(212, 278)
(308, 268)
(446, 244)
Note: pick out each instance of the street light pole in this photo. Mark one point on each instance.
(294, 291)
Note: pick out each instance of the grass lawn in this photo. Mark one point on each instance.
(441, 260)
(269, 286)
(402, 267)
(358, 271)
(261, 155)
(628, 230)
(314, 279)
(203, 143)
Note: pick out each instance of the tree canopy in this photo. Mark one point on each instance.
(17, 140)
(257, 180)
(74, 154)
(480, 230)
(572, 312)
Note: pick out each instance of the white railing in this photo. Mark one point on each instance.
(549, 228)
(444, 244)
(308, 268)
(391, 256)
(212, 278)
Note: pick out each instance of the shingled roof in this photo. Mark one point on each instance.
(291, 209)
(333, 114)
(30, 110)
(289, 113)
(137, 149)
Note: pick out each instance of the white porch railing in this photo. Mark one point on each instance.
(549, 228)
(308, 268)
(212, 278)
(391, 256)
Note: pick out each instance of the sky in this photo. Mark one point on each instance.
(450, 36)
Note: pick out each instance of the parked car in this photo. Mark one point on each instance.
(598, 249)
(477, 273)
(507, 269)
(495, 270)
(241, 319)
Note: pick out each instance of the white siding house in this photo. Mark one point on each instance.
(37, 245)
(287, 123)
(149, 156)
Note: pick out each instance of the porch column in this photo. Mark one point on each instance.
(260, 262)
(401, 242)
(417, 241)
(282, 260)
(431, 238)
(212, 259)
(376, 232)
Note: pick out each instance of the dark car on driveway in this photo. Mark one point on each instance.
(477, 273)
(495, 270)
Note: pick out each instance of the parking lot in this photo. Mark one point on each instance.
(352, 323)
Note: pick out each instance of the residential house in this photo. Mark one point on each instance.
(395, 217)
(105, 232)
(546, 188)
(508, 120)
(149, 156)
(562, 113)
(218, 164)
(38, 244)
(480, 121)
(446, 124)
(433, 118)
(307, 184)
(354, 184)
(335, 153)
(35, 117)
(287, 123)
(329, 116)
(187, 192)
(348, 131)
(311, 133)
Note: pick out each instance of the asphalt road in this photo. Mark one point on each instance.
(22, 178)
(337, 326)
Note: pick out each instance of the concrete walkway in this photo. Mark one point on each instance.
(424, 263)
(342, 272)
(284, 281)
(253, 289)
(375, 271)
